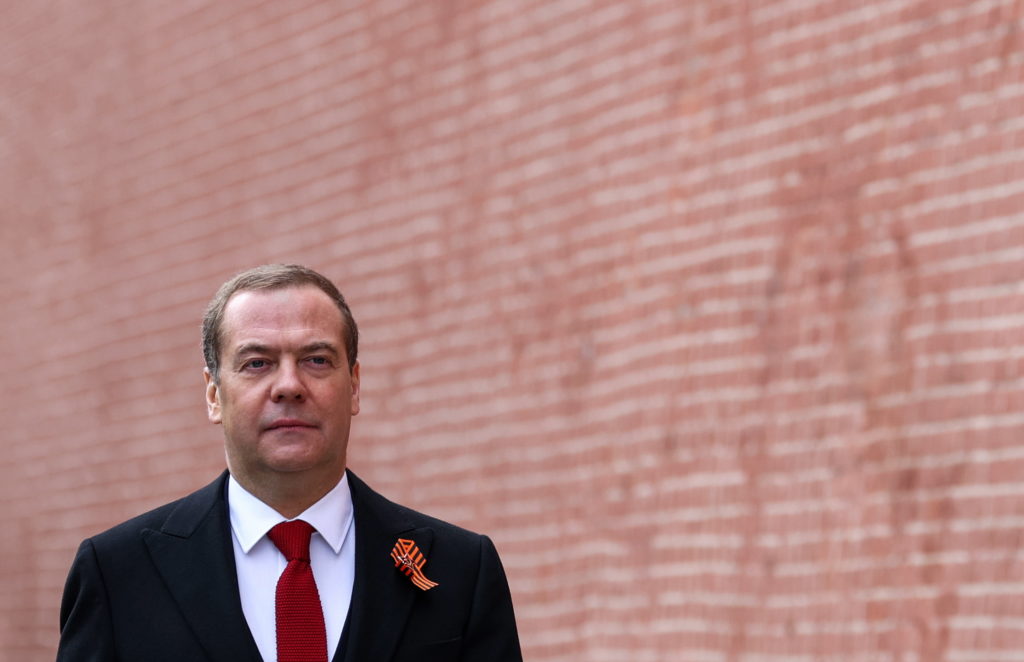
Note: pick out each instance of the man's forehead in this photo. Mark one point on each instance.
(253, 314)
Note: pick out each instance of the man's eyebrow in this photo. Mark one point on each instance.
(260, 348)
(252, 348)
(320, 346)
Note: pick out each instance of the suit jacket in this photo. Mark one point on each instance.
(163, 587)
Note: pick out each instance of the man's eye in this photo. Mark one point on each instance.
(255, 363)
(319, 360)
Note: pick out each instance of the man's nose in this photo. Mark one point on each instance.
(287, 384)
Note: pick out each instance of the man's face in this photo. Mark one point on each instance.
(285, 395)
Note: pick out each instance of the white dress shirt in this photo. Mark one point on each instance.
(259, 563)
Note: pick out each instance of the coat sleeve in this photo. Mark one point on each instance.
(491, 634)
(86, 632)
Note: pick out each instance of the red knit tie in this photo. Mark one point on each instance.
(301, 634)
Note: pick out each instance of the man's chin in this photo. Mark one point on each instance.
(292, 464)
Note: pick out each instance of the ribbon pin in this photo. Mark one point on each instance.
(410, 561)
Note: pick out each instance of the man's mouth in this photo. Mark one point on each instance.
(289, 424)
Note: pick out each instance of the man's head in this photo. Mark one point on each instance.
(287, 384)
(271, 277)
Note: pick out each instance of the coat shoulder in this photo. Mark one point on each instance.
(378, 506)
(177, 517)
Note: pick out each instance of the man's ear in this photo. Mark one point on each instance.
(355, 388)
(212, 397)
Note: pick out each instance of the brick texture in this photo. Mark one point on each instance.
(710, 313)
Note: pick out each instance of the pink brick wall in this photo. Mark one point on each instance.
(711, 313)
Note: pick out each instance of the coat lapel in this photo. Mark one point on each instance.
(382, 597)
(193, 554)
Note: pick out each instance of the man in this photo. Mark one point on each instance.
(287, 556)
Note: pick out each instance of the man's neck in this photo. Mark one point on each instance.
(289, 494)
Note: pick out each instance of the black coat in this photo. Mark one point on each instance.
(163, 586)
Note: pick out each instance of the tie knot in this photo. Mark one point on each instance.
(292, 539)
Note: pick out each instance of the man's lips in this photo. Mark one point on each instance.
(288, 423)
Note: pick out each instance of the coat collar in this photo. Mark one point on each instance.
(382, 597)
(193, 553)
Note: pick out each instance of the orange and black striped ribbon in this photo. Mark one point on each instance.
(410, 561)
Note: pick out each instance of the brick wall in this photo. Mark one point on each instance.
(710, 313)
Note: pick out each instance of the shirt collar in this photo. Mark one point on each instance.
(251, 519)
